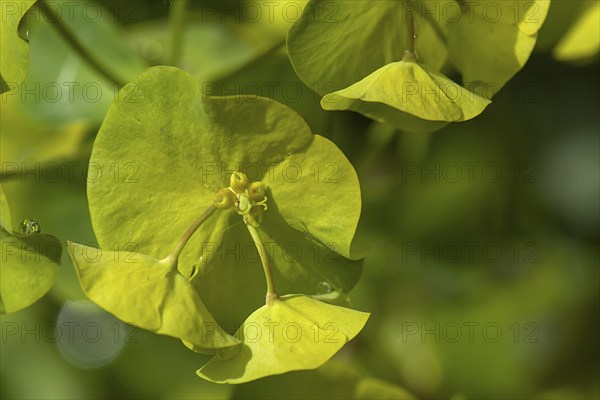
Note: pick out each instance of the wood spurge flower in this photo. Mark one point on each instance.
(199, 268)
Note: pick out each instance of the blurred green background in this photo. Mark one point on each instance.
(482, 277)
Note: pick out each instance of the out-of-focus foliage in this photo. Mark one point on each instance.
(487, 227)
(571, 31)
(63, 87)
(582, 40)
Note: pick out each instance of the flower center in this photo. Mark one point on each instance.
(248, 199)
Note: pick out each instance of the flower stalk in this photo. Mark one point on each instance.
(174, 256)
(264, 258)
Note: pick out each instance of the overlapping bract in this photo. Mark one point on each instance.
(353, 54)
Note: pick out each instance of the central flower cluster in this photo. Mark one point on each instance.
(248, 199)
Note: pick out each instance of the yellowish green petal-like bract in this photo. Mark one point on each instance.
(29, 263)
(337, 43)
(493, 40)
(355, 59)
(148, 293)
(413, 90)
(292, 333)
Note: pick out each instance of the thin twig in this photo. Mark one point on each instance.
(76, 45)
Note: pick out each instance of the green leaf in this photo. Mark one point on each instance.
(291, 333)
(59, 201)
(14, 57)
(148, 293)
(412, 89)
(582, 40)
(337, 43)
(486, 48)
(375, 87)
(196, 142)
(29, 264)
(493, 40)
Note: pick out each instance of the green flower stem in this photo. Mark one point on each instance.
(409, 54)
(75, 44)
(177, 22)
(264, 258)
(431, 21)
(174, 256)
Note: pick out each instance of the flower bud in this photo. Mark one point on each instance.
(224, 199)
(238, 182)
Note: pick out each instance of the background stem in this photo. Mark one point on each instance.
(177, 23)
(76, 45)
(410, 39)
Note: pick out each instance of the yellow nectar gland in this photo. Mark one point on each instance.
(247, 199)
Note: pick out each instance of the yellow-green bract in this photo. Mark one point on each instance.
(411, 92)
(292, 333)
(29, 264)
(148, 293)
(354, 54)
